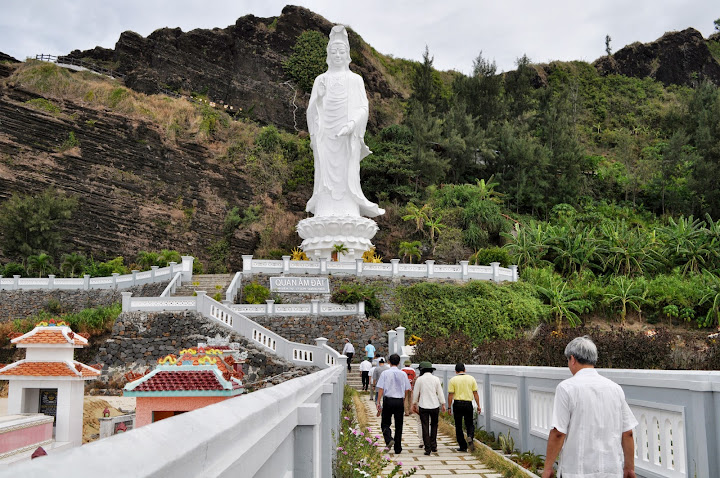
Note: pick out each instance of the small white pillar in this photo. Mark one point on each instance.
(395, 267)
(495, 271)
(51, 281)
(464, 268)
(126, 301)
(430, 268)
(286, 264)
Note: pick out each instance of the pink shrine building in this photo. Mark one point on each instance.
(197, 378)
(46, 390)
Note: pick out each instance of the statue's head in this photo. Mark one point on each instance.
(338, 49)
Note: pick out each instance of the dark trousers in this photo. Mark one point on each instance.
(365, 380)
(392, 408)
(463, 410)
(349, 355)
(429, 422)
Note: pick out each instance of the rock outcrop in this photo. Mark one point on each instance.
(5, 57)
(676, 58)
(240, 65)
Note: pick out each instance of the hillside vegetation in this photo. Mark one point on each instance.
(603, 188)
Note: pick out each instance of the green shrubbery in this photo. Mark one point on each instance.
(308, 59)
(254, 293)
(480, 310)
(354, 293)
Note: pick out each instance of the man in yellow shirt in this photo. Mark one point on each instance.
(461, 391)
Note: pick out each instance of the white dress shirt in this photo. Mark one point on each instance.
(591, 410)
(348, 348)
(394, 383)
(365, 366)
(428, 392)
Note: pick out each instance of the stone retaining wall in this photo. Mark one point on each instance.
(18, 304)
(306, 329)
(140, 338)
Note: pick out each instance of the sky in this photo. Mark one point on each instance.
(455, 31)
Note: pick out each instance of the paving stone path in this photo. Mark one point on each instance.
(446, 462)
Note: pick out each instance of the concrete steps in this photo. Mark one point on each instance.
(210, 283)
(354, 377)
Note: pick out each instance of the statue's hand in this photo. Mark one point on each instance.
(347, 129)
(321, 87)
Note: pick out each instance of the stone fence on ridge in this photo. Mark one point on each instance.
(463, 271)
(285, 430)
(116, 281)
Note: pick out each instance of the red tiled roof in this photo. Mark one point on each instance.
(49, 369)
(50, 335)
(166, 381)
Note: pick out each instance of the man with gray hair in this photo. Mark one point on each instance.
(592, 423)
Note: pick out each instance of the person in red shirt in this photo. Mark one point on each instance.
(411, 376)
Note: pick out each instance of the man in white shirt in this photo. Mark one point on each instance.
(428, 399)
(348, 351)
(365, 368)
(592, 423)
(391, 388)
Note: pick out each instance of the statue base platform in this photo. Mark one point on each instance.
(321, 233)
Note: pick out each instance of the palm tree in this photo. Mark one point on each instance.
(487, 190)
(147, 259)
(564, 303)
(337, 250)
(626, 292)
(419, 215)
(72, 263)
(410, 249)
(167, 256)
(42, 263)
(712, 297)
(435, 226)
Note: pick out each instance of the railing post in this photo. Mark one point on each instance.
(16, 282)
(495, 271)
(114, 279)
(326, 440)
(269, 307)
(187, 267)
(430, 268)
(392, 340)
(358, 267)
(86, 281)
(51, 281)
(514, 270)
(200, 301)
(400, 343)
(315, 307)
(395, 267)
(247, 265)
(126, 301)
(308, 454)
(134, 277)
(361, 308)
(172, 268)
(286, 264)
(153, 271)
(323, 265)
(464, 269)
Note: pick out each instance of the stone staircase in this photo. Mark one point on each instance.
(210, 283)
(353, 378)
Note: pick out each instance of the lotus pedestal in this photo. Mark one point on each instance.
(320, 234)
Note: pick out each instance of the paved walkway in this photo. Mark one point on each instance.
(446, 462)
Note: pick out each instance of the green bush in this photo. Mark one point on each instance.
(12, 269)
(487, 256)
(354, 293)
(255, 293)
(480, 310)
(308, 59)
(43, 104)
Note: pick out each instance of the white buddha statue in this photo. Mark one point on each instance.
(337, 117)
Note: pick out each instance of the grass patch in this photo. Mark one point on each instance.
(44, 105)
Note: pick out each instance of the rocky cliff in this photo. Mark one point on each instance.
(240, 65)
(677, 58)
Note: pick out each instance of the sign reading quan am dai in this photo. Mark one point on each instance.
(300, 284)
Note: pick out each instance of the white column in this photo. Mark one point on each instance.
(126, 301)
(392, 340)
(464, 268)
(307, 452)
(430, 268)
(200, 303)
(134, 276)
(153, 271)
(495, 271)
(269, 307)
(172, 269)
(323, 265)
(114, 279)
(361, 308)
(514, 270)
(315, 307)
(358, 267)
(51, 281)
(86, 283)
(395, 266)
(16, 282)
(401, 343)
(247, 264)
(187, 267)
(286, 264)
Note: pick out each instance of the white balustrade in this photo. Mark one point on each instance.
(301, 355)
(286, 310)
(429, 269)
(504, 403)
(660, 439)
(541, 408)
(264, 339)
